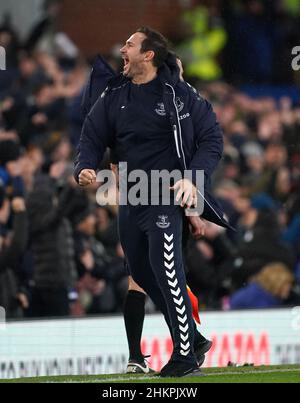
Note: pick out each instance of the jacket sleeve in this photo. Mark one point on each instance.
(96, 136)
(208, 136)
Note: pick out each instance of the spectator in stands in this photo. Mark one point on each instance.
(12, 246)
(45, 115)
(52, 244)
(267, 289)
(106, 228)
(93, 264)
(13, 237)
(292, 234)
(261, 245)
(204, 259)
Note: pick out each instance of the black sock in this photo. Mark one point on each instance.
(134, 313)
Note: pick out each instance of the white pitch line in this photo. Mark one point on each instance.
(268, 371)
(120, 379)
(107, 380)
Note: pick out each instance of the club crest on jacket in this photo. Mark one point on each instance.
(160, 110)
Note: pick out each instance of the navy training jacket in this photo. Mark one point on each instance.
(198, 137)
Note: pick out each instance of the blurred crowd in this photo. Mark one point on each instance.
(258, 183)
(261, 35)
(59, 251)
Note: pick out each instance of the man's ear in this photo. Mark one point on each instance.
(149, 55)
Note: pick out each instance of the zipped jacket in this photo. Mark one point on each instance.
(198, 138)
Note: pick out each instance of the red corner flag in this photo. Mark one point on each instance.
(194, 302)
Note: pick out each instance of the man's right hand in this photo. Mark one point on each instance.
(87, 177)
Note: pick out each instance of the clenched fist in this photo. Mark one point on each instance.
(18, 205)
(87, 177)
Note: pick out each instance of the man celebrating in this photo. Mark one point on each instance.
(138, 117)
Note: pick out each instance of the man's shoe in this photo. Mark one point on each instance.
(138, 367)
(179, 369)
(201, 349)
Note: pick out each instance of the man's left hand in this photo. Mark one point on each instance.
(197, 226)
(186, 191)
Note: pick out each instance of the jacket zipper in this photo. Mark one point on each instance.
(175, 131)
(176, 140)
(178, 153)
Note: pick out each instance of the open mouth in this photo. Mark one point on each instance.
(126, 61)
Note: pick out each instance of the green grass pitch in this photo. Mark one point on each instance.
(262, 374)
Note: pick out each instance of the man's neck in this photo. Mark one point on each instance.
(145, 77)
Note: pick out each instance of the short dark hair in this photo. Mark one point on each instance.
(157, 42)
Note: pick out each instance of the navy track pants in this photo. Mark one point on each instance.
(151, 237)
